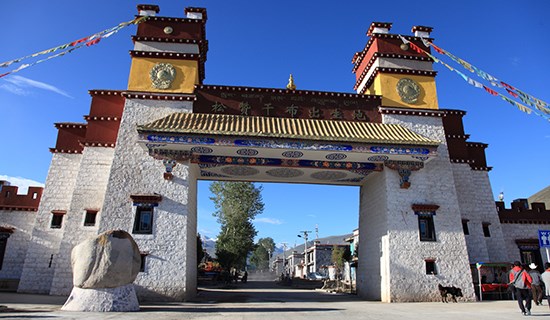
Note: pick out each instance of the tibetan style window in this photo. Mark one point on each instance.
(145, 204)
(5, 233)
(143, 257)
(90, 217)
(486, 231)
(426, 226)
(465, 226)
(57, 219)
(430, 266)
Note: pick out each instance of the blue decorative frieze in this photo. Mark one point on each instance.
(336, 156)
(155, 145)
(180, 139)
(291, 145)
(378, 158)
(292, 154)
(421, 158)
(358, 179)
(240, 171)
(328, 175)
(285, 173)
(202, 150)
(398, 150)
(212, 174)
(247, 152)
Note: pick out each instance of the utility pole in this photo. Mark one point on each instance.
(304, 234)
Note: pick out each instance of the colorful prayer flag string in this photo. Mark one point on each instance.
(495, 82)
(86, 41)
(527, 99)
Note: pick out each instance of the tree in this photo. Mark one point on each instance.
(236, 203)
(339, 256)
(262, 253)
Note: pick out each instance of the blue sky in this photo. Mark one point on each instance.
(258, 44)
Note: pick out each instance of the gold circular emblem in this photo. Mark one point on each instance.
(408, 90)
(162, 75)
(168, 30)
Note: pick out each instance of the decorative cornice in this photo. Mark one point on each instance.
(203, 44)
(9, 230)
(452, 111)
(98, 92)
(98, 144)
(101, 118)
(299, 92)
(55, 150)
(169, 19)
(146, 198)
(476, 144)
(458, 136)
(17, 208)
(482, 168)
(59, 211)
(359, 56)
(70, 125)
(411, 112)
(424, 207)
(155, 96)
(377, 55)
(462, 161)
(378, 70)
(166, 55)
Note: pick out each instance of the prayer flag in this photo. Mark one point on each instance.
(491, 91)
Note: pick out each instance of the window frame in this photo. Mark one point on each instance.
(486, 230)
(465, 227)
(57, 215)
(138, 220)
(88, 214)
(431, 267)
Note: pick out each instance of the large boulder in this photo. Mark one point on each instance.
(110, 260)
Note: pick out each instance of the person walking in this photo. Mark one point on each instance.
(521, 281)
(545, 277)
(536, 287)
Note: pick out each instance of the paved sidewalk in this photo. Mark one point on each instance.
(251, 303)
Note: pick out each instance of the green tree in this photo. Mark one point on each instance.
(236, 203)
(339, 256)
(262, 253)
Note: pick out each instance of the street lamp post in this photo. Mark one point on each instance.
(304, 235)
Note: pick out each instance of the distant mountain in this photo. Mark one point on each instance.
(209, 244)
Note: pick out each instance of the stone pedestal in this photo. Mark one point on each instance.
(119, 299)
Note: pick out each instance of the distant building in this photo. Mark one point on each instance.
(541, 196)
(17, 218)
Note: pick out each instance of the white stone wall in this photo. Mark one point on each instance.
(89, 193)
(434, 184)
(477, 205)
(17, 243)
(37, 273)
(373, 226)
(135, 172)
(521, 231)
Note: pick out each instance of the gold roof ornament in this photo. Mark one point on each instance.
(291, 85)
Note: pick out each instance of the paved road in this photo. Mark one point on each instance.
(253, 301)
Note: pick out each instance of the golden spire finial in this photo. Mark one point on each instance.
(291, 85)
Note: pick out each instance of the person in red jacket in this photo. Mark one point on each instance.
(521, 280)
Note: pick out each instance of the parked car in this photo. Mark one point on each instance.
(316, 276)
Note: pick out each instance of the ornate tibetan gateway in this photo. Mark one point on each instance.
(408, 90)
(162, 75)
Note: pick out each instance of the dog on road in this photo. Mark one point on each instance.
(446, 291)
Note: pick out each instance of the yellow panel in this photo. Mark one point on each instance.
(386, 85)
(187, 75)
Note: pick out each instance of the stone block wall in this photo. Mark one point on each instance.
(516, 231)
(17, 243)
(38, 269)
(89, 193)
(478, 207)
(134, 172)
(434, 185)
